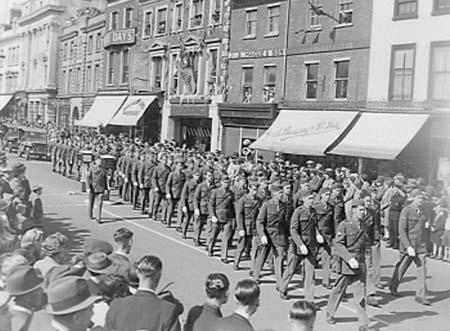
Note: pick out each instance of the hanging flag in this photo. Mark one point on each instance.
(318, 10)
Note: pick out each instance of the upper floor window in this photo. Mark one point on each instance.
(312, 80)
(196, 13)
(148, 23)
(342, 72)
(157, 72)
(213, 71)
(402, 72)
(216, 11)
(114, 20)
(161, 21)
(72, 49)
(440, 71)
(96, 76)
(90, 45)
(405, 9)
(88, 85)
(273, 20)
(345, 11)
(125, 66)
(441, 7)
(270, 79)
(314, 15)
(98, 42)
(178, 17)
(128, 21)
(110, 73)
(174, 75)
(251, 19)
(247, 84)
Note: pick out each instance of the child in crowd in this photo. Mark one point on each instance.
(438, 229)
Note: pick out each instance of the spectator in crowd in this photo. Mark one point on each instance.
(54, 252)
(124, 241)
(302, 316)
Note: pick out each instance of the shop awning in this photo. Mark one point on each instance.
(380, 135)
(102, 110)
(304, 132)
(132, 110)
(4, 100)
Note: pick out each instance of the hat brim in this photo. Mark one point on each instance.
(112, 268)
(80, 306)
(40, 285)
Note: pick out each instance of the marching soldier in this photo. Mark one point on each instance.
(174, 186)
(139, 159)
(239, 190)
(145, 180)
(413, 225)
(97, 184)
(201, 203)
(222, 212)
(350, 247)
(302, 246)
(159, 182)
(119, 173)
(187, 201)
(126, 165)
(247, 209)
(337, 203)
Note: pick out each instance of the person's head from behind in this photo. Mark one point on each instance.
(216, 288)
(149, 270)
(113, 287)
(247, 294)
(302, 316)
(124, 239)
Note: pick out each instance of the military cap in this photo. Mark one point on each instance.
(285, 183)
(324, 190)
(225, 178)
(416, 193)
(336, 185)
(305, 192)
(329, 170)
(357, 203)
(275, 187)
(310, 162)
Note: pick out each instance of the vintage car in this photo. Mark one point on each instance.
(11, 138)
(33, 143)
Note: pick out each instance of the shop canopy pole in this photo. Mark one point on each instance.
(360, 165)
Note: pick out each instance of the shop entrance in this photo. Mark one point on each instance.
(196, 132)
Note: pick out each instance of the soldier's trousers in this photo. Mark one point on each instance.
(225, 229)
(261, 255)
(180, 216)
(145, 195)
(393, 228)
(199, 223)
(97, 199)
(373, 265)
(151, 203)
(293, 260)
(54, 163)
(168, 209)
(126, 191)
(358, 282)
(186, 218)
(402, 266)
(159, 200)
(325, 258)
(136, 192)
(242, 246)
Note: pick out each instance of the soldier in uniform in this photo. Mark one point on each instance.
(396, 204)
(97, 184)
(413, 225)
(270, 225)
(159, 182)
(145, 180)
(239, 190)
(126, 165)
(302, 246)
(350, 247)
(222, 212)
(139, 159)
(201, 203)
(337, 203)
(187, 201)
(119, 173)
(174, 186)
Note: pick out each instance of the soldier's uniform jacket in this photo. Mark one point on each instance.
(201, 197)
(263, 195)
(74, 155)
(286, 210)
(127, 163)
(303, 228)
(411, 228)
(374, 226)
(119, 165)
(247, 209)
(297, 200)
(135, 171)
(239, 192)
(271, 223)
(145, 173)
(175, 183)
(96, 179)
(159, 178)
(131, 169)
(325, 222)
(337, 202)
(350, 242)
(188, 194)
(315, 183)
(221, 205)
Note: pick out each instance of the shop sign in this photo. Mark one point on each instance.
(261, 53)
(120, 37)
(189, 111)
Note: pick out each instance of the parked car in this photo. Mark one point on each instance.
(33, 143)
(11, 138)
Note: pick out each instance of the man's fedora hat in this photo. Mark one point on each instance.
(100, 263)
(22, 280)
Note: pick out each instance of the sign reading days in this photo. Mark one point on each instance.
(253, 54)
(120, 37)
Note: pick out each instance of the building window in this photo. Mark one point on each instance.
(157, 72)
(251, 19)
(178, 17)
(441, 7)
(63, 82)
(69, 81)
(88, 86)
(2, 55)
(402, 72)
(314, 15)
(312, 80)
(71, 50)
(78, 81)
(148, 24)
(216, 11)
(273, 20)
(247, 84)
(114, 20)
(270, 79)
(341, 79)
(345, 12)
(128, 21)
(110, 73)
(196, 13)
(90, 45)
(161, 21)
(440, 72)
(405, 9)
(96, 77)
(98, 42)
(125, 66)
(213, 71)
(174, 75)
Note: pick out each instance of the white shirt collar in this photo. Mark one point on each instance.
(21, 309)
(146, 290)
(243, 314)
(121, 253)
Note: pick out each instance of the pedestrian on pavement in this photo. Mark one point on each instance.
(144, 310)
(97, 184)
(302, 316)
(246, 294)
(205, 317)
(413, 225)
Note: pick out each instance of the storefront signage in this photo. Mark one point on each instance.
(120, 37)
(253, 54)
(189, 111)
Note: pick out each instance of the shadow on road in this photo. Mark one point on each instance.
(398, 317)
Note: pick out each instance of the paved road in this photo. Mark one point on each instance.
(188, 266)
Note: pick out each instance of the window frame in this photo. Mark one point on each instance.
(339, 4)
(266, 83)
(111, 20)
(153, 78)
(212, 11)
(110, 73)
(144, 25)
(175, 18)
(125, 18)
(174, 58)
(96, 80)
(191, 15)
(247, 21)
(317, 26)
(90, 44)
(308, 81)
(336, 79)
(156, 31)
(208, 71)
(122, 66)
(437, 11)
(98, 42)
(88, 80)
(243, 83)
(277, 32)
(433, 46)
(397, 16)
(394, 48)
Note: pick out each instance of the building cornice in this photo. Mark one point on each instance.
(68, 36)
(94, 26)
(40, 13)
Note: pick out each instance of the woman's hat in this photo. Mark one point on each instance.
(100, 263)
(22, 280)
(69, 295)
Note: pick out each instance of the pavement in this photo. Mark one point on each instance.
(187, 266)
